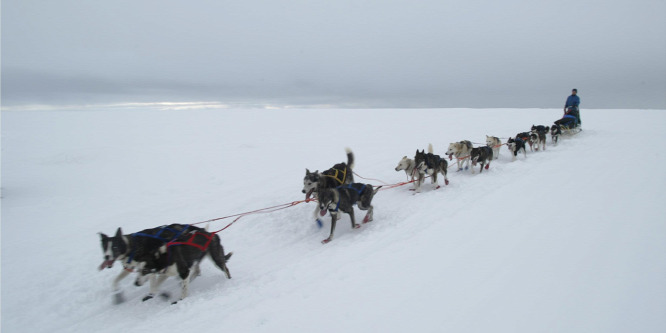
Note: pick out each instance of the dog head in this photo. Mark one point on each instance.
(310, 182)
(328, 200)
(475, 155)
(404, 163)
(453, 148)
(511, 143)
(113, 248)
(492, 140)
(419, 157)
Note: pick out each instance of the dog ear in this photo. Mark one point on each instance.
(103, 236)
(307, 171)
(119, 232)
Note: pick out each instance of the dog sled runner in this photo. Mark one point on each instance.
(570, 131)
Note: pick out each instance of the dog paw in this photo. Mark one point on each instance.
(149, 296)
(320, 223)
(446, 181)
(356, 226)
(326, 241)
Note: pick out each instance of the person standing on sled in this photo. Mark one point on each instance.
(571, 106)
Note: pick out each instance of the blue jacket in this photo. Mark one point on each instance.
(572, 100)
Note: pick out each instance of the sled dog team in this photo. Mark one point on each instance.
(177, 249)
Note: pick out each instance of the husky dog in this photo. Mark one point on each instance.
(135, 250)
(409, 166)
(431, 165)
(181, 257)
(525, 136)
(461, 151)
(541, 132)
(339, 174)
(555, 132)
(515, 145)
(481, 155)
(495, 143)
(534, 141)
(342, 199)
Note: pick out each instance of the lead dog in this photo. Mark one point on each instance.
(136, 250)
(181, 257)
(516, 145)
(343, 199)
(461, 151)
(431, 165)
(482, 155)
(495, 143)
(409, 166)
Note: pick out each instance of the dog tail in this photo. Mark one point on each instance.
(216, 252)
(350, 158)
(376, 190)
(430, 148)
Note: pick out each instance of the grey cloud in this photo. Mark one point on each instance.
(371, 53)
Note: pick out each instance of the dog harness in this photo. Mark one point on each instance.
(337, 172)
(157, 236)
(348, 186)
(190, 242)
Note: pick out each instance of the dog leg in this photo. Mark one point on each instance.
(417, 184)
(185, 287)
(368, 216)
(334, 217)
(320, 223)
(155, 283)
(352, 217)
(116, 281)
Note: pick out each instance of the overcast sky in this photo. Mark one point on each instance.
(341, 53)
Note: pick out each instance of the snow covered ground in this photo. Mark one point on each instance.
(572, 239)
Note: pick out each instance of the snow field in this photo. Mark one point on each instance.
(566, 240)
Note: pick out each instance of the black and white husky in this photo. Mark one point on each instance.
(482, 155)
(181, 257)
(555, 132)
(461, 151)
(409, 166)
(495, 143)
(431, 165)
(516, 145)
(541, 131)
(525, 136)
(343, 199)
(135, 250)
